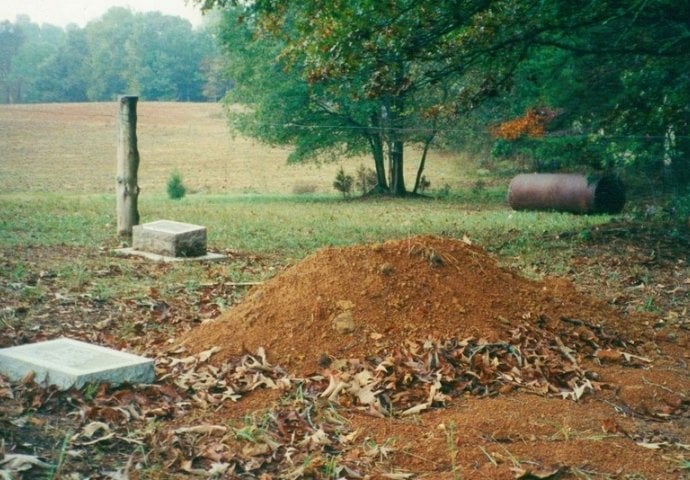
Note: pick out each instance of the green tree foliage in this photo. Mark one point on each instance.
(400, 72)
(11, 39)
(621, 88)
(64, 74)
(164, 58)
(348, 76)
(343, 183)
(155, 56)
(107, 37)
(40, 44)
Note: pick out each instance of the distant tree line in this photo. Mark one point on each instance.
(155, 56)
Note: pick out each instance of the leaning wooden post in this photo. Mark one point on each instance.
(127, 167)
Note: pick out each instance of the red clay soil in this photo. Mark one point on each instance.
(392, 292)
(356, 302)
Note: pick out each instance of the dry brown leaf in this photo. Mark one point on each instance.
(629, 356)
(93, 427)
(206, 354)
(202, 429)
(20, 462)
(536, 472)
(609, 355)
(218, 469)
(316, 439)
(256, 449)
(416, 409)
(335, 386)
(651, 445)
(609, 425)
(28, 378)
(397, 475)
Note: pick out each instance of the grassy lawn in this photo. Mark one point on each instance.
(287, 225)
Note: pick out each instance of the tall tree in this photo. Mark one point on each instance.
(400, 64)
(621, 87)
(379, 75)
(63, 77)
(107, 37)
(164, 57)
(11, 39)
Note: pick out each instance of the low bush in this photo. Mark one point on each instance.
(175, 188)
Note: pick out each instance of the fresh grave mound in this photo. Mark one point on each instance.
(355, 302)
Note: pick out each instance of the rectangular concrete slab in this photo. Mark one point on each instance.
(67, 363)
(170, 238)
(209, 257)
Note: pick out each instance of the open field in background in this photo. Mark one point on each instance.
(72, 148)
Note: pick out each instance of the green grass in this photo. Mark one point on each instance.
(289, 227)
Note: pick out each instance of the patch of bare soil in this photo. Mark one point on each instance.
(418, 358)
(559, 383)
(354, 301)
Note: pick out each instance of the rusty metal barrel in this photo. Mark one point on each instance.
(567, 192)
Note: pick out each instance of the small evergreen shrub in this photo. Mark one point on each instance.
(343, 183)
(176, 189)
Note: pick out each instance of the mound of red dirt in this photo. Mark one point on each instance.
(404, 327)
(352, 302)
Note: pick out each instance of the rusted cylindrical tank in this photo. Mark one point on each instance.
(566, 192)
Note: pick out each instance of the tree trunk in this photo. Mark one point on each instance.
(422, 163)
(376, 145)
(397, 172)
(127, 191)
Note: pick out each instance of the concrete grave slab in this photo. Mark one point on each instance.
(170, 238)
(209, 257)
(67, 363)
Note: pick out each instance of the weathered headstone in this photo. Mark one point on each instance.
(67, 363)
(169, 238)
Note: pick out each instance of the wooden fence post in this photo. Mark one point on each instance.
(127, 167)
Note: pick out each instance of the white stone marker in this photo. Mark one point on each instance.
(68, 363)
(169, 238)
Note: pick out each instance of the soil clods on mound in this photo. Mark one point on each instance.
(356, 301)
(407, 327)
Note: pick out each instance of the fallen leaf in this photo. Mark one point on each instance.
(218, 469)
(203, 429)
(20, 462)
(629, 356)
(397, 475)
(608, 425)
(93, 427)
(540, 473)
(609, 355)
(317, 439)
(206, 354)
(416, 409)
(650, 445)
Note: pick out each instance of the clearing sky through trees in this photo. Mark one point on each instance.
(81, 12)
